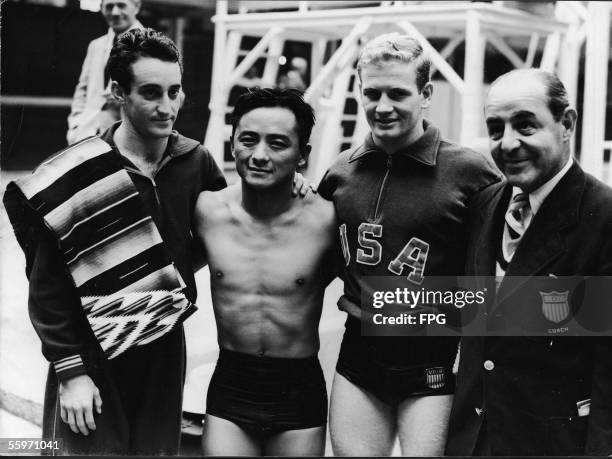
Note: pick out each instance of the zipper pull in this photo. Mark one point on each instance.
(389, 161)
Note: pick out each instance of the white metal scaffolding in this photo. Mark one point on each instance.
(472, 25)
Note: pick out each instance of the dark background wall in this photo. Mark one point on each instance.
(43, 48)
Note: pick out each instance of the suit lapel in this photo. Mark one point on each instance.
(543, 241)
(491, 226)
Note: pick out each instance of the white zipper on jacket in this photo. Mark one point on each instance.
(383, 185)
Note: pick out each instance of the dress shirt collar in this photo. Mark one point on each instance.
(111, 33)
(537, 197)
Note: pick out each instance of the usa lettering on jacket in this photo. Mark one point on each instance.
(413, 255)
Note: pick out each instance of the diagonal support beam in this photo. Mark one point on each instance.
(443, 67)
(253, 55)
(232, 48)
(451, 46)
(338, 58)
(503, 47)
(275, 49)
(448, 49)
(534, 41)
(577, 8)
(551, 52)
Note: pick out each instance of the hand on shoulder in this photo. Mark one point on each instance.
(323, 210)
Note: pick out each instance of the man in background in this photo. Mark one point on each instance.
(93, 108)
(296, 75)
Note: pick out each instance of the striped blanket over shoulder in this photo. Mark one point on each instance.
(128, 285)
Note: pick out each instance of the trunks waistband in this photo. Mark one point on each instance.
(228, 357)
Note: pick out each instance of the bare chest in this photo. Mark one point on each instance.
(276, 259)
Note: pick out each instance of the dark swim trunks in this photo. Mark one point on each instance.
(268, 395)
(395, 368)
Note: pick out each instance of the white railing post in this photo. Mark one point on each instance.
(595, 88)
(472, 98)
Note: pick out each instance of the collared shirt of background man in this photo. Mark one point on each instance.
(401, 199)
(93, 108)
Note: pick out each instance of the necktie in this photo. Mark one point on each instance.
(518, 217)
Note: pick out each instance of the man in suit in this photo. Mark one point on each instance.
(93, 108)
(547, 394)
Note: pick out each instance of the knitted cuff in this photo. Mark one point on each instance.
(69, 367)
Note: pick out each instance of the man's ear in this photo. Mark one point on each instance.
(568, 121)
(427, 92)
(117, 92)
(304, 156)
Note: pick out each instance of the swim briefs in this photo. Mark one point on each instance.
(395, 368)
(268, 395)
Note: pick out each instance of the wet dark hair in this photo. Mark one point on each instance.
(290, 99)
(137, 43)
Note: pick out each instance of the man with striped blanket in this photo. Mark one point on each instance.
(106, 229)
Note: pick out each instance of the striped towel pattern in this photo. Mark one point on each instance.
(129, 287)
(144, 317)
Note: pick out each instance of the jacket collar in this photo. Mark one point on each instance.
(542, 241)
(424, 150)
(491, 215)
(178, 144)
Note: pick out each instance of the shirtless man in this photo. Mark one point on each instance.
(267, 252)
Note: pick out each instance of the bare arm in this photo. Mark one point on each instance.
(202, 209)
(333, 260)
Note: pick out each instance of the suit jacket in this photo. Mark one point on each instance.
(526, 388)
(86, 116)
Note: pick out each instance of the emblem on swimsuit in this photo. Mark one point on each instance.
(435, 377)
